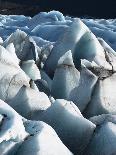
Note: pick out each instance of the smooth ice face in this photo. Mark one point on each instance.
(73, 39)
(30, 68)
(104, 29)
(43, 140)
(50, 32)
(103, 99)
(43, 86)
(46, 78)
(11, 50)
(66, 78)
(69, 124)
(105, 139)
(65, 43)
(92, 50)
(104, 136)
(29, 102)
(82, 93)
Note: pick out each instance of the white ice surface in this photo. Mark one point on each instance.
(27, 44)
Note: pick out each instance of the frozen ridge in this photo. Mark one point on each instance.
(57, 85)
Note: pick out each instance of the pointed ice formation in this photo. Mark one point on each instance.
(66, 42)
(12, 131)
(66, 77)
(85, 76)
(103, 99)
(104, 136)
(7, 57)
(69, 124)
(89, 48)
(15, 88)
(19, 136)
(110, 54)
(81, 94)
(66, 59)
(29, 102)
(18, 39)
(30, 68)
(73, 39)
(11, 50)
(43, 140)
(11, 75)
(29, 50)
(25, 46)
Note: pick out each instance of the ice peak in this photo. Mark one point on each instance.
(66, 59)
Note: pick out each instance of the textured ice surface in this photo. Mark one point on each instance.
(12, 132)
(69, 124)
(104, 136)
(81, 94)
(62, 87)
(21, 136)
(59, 70)
(103, 99)
(43, 140)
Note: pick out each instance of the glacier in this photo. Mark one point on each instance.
(57, 85)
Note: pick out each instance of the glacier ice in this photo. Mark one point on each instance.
(11, 50)
(81, 94)
(43, 140)
(21, 136)
(30, 68)
(47, 31)
(43, 86)
(45, 17)
(60, 70)
(71, 36)
(69, 124)
(104, 136)
(66, 77)
(46, 78)
(103, 99)
(12, 131)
